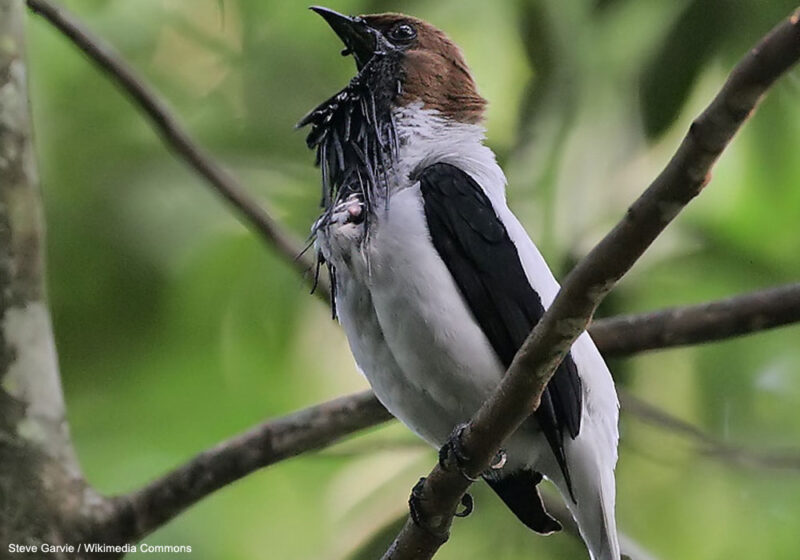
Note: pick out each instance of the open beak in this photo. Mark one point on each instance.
(359, 39)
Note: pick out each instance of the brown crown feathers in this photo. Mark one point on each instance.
(435, 71)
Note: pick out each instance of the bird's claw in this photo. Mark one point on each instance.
(413, 502)
(416, 496)
(468, 503)
(499, 460)
(452, 453)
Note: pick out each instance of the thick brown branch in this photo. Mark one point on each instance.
(705, 322)
(176, 137)
(586, 286)
(145, 510)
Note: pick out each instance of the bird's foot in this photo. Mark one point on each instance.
(499, 460)
(414, 502)
(468, 503)
(415, 510)
(453, 452)
(452, 455)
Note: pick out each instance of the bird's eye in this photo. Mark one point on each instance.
(403, 33)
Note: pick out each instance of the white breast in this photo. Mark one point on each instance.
(427, 325)
(342, 244)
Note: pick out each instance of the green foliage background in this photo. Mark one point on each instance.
(177, 328)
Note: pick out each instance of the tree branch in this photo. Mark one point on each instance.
(176, 138)
(706, 322)
(145, 510)
(520, 390)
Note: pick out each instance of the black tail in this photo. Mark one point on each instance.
(518, 491)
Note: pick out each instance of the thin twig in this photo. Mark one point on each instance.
(706, 322)
(176, 138)
(520, 390)
(788, 459)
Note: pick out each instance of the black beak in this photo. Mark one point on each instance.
(359, 39)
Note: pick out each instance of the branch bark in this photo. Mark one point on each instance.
(519, 393)
(178, 140)
(145, 510)
(695, 324)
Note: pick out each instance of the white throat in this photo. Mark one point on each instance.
(426, 137)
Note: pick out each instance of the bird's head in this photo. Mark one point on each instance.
(402, 62)
(413, 62)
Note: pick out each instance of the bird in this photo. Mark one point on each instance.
(435, 281)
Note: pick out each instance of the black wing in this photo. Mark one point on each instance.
(475, 246)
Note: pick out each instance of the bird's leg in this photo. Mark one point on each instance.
(451, 454)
